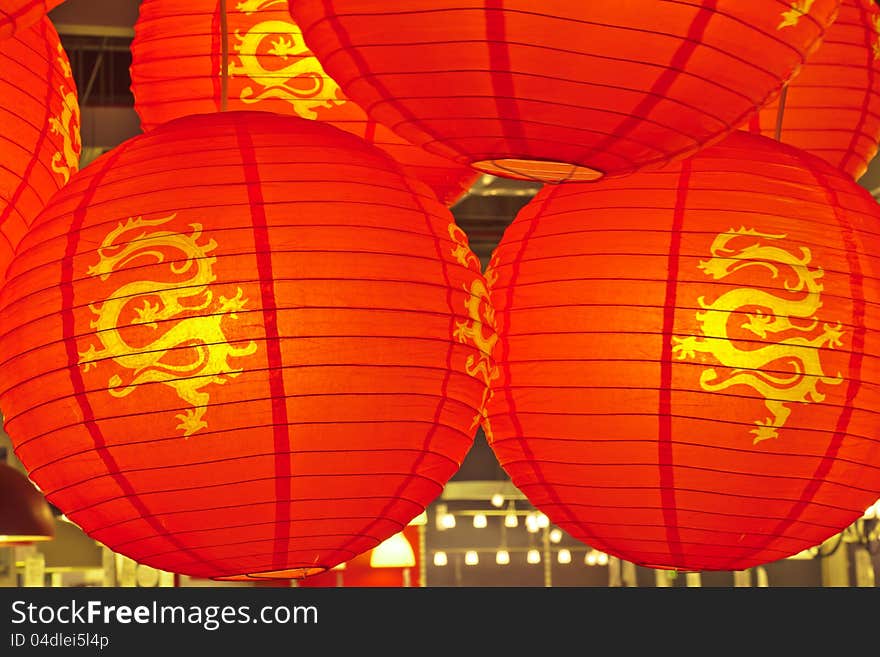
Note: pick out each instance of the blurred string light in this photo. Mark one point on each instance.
(555, 535)
(564, 556)
(440, 558)
(533, 556)
(502, 557)
(498, 500)
(480, 521)
(471, 558)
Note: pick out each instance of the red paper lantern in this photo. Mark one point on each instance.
(832, 107)
(40, 135)
(178, 63)
(568, 90)
(243, 344)
(688, 360)
(16, 15)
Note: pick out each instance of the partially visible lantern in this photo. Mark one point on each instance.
(16, 15)
(564, 90)
(689, 359)
(832, 107)
(40, 134)
(243, 345)
(182, 48)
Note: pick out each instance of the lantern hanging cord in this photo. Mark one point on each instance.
(781, 112)
(224, 56)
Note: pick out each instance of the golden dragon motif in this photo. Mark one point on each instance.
(66, 125)
(792, 17)
(801, 353)
(480, 315)
(300, 80)
(200, 337)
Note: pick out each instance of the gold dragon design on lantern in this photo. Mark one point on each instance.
(187, 348)
(479, 329)
(799, 352)
(274, 57)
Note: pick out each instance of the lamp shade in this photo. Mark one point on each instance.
(25, 516)
(832, 107)
(17, 15)
(688, 359)
(393, 552)
(40, 136)
(243, 344)
(561, 91)
(181, 49)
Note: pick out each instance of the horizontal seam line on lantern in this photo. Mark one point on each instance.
(718, 364)
(651, 509)
(610, 538)
(9, 303)
(704, 282)
(268, 502)
(649, 306)
(682, 38)
(21, 444)
(240, 458)
(686, 363)
(461, 374)
(205, 434)
(46, 220)
(713, 530)
(679, 443)
(692, 468)
(681, 416)
(357, 311)
(590, 231)
(680, 489)
(423, 478)
(243, 482)
(201, 374)
(686, 391)
(581, 212)
(196, 548)
(572, 81)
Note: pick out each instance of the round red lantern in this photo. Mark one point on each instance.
(181, 50)
(16, 15)
(688, 359)
(832, 107)
(571, 91)
(243, 345)
(40, 138)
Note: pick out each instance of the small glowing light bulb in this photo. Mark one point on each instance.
(440, 558)
(480, 521)
(543, 521)
(532, 523)
(471, 558)
(533, 556)
(592, 558)
(510, 520)
(564, 556)
(555, 535)
(602, 559)
(502, 557)
(448, 521)
(498, 500)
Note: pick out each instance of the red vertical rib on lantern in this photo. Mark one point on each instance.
(697, 382)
